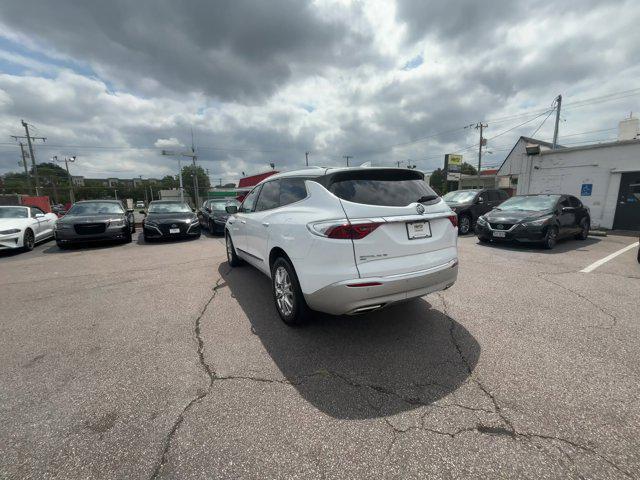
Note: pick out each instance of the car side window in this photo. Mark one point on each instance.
(574, 202)
(250, 200)
(493, 195)
(292, 190)
(35, 211)
(564, 202)
(503, 195)
(269, 196)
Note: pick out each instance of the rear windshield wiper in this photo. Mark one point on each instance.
(426, 198)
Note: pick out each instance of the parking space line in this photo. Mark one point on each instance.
(604, 260)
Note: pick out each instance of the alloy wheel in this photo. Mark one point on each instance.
(284, 293)
(464, 225)
(29, 240)
(552, 237)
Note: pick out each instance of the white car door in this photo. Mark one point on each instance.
(257, 226)
(37, 217)
(238, 222)
(48, 225)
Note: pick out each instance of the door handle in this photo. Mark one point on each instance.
(265, 224)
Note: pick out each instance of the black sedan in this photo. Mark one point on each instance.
(214, 215)
(535, 218)
(95, 220)
(167, 219)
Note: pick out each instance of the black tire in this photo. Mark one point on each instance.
(133, 229)
(197, 236)
(287, 295)
(146, 239)
(28, 240)
(483, 239)
(584, 229)
(550, 237)
(232, 257)
(464, 224)
(128, 238)
(61, 245)
(638, 254)
(212, 227)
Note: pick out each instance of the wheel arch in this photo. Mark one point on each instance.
(277, 252)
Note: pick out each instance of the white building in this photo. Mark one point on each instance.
(605, 176)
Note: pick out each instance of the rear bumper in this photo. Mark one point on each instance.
(339, 298)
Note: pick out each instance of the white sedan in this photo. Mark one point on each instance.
(23, 227)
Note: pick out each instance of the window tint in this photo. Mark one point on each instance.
(35, 211)
(381, 187)
(269, 196)
(250, 200)
(492, 195)
(574, 202)
(292, 190)
(564, 202)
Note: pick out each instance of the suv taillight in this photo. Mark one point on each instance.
(454, 220)
(343, 229)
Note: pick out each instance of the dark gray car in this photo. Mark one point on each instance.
(470, 204)
(95, 220)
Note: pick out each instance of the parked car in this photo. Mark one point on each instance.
(23, 227)
(470, 204)
(345, 241)
(169, 219)
(58, 209)
(95, 220)
(214, 215)
(536, 218)
(139, 204)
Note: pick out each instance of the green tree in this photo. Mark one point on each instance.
(188, 172)
(168, 182)
(437, 181)
(468, 169)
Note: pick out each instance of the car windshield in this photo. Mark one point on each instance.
(220, 206)
(14, 212)
(530, 203)
(96, 208)
(460, 196)
(169, 207)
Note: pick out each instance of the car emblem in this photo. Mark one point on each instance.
(174, 226)
(500, 227)
(420, 208)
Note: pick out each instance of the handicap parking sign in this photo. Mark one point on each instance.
(586, 189)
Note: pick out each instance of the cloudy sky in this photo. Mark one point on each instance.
(264, 81)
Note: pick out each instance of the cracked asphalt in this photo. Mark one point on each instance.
(160, 361)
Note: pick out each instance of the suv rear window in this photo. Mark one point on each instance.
(393, 188)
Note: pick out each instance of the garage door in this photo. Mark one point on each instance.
(628, 208)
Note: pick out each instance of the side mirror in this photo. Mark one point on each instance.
(480, 200)
(193, 209)
(567, 209)
(231, 209)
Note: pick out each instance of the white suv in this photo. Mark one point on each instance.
(345, 240)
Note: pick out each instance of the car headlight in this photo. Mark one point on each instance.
(150, 224)
(482, 221)
(10, 231)
(63, 226)
(116, 223)
(539, 222)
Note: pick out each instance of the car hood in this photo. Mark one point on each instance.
(8, 223)
(170, 217)
(513, 216)
(75, 219)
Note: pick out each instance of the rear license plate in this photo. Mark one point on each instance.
(500, 234)
(174, 230)
(418, 230)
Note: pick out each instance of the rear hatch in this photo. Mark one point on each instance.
(409, 226)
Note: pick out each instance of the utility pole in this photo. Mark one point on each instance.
(347, 157)
(66, 164)
(481, 126)
(146, 199)
(55, 189)
(398, 163)
(195, 173)
(150, 191)
(24, 163)
(115, 193)
(33, 157)
(177, 154)
(555, 130)
(306, 156)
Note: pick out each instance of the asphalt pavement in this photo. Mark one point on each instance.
(160, 361)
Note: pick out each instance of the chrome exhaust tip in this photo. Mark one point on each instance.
(367, 309)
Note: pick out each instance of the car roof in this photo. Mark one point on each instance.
(101, 201)
(321, 171)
